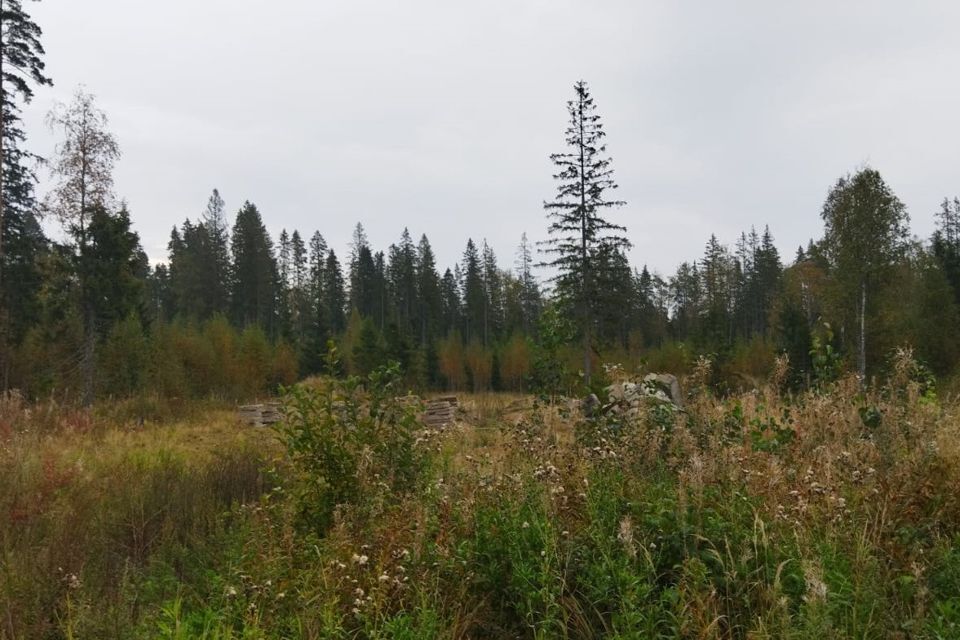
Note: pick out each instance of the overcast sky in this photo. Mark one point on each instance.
(440, 115)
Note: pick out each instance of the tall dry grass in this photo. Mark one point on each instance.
(832, 513)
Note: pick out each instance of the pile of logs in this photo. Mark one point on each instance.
(440, 412)
(260, 414)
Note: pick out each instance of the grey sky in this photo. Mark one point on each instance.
(440, 115)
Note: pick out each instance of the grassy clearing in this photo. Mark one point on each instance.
(834, 514)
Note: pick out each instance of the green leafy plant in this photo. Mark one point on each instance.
(352, 442)
(827, 363)
(771, 435)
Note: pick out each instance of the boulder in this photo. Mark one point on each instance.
(590, 405)
(664, 383)
(630, 396)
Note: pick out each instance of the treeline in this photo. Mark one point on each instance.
(380, 305)
(232, 312)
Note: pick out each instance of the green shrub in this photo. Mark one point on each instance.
(352, 442)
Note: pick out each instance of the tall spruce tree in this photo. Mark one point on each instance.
(335, 298)
(318, 316)
(429, 294)
(115, 268)
(719, 272)
(474, 294)
(530, 299)
(402, 285)
(451, 304)
(300, 287)
(190, 271)
(531, 302)
(218, 260)
(363, 274)
(21, 67)
(493, 298)
(579, 233)
(284, 285)
(255, 281)
(686, 298)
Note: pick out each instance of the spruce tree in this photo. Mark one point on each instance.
(254, 295)
(363, 275)
(402, 285)
(719, 273)
(474, 295)
(21, 68)
(451, 303)
(429, 295)
(335, 298)
(946, 243)
(300, 287)
(493, 299)
(530, 299)
(284, 285)
(218, 255)
(579, 232)
(190, 271)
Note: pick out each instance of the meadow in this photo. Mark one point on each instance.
(827, 513)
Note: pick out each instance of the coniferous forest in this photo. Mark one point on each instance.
(232, 312)
(256, 435)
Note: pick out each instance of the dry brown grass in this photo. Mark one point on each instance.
(533, 523)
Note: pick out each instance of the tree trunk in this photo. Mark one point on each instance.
(2, 152)
(584, 257)
(5, 353)
(862, 354)
(89, 353)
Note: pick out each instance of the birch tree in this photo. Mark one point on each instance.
(866, 233)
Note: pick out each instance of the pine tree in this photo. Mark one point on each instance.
(579, 233)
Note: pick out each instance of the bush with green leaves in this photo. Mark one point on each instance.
(352, 442)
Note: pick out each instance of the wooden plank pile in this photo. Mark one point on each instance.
(260, 414)
(440, 412)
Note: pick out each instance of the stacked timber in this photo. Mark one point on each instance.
(440, 412)
(260, 414)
